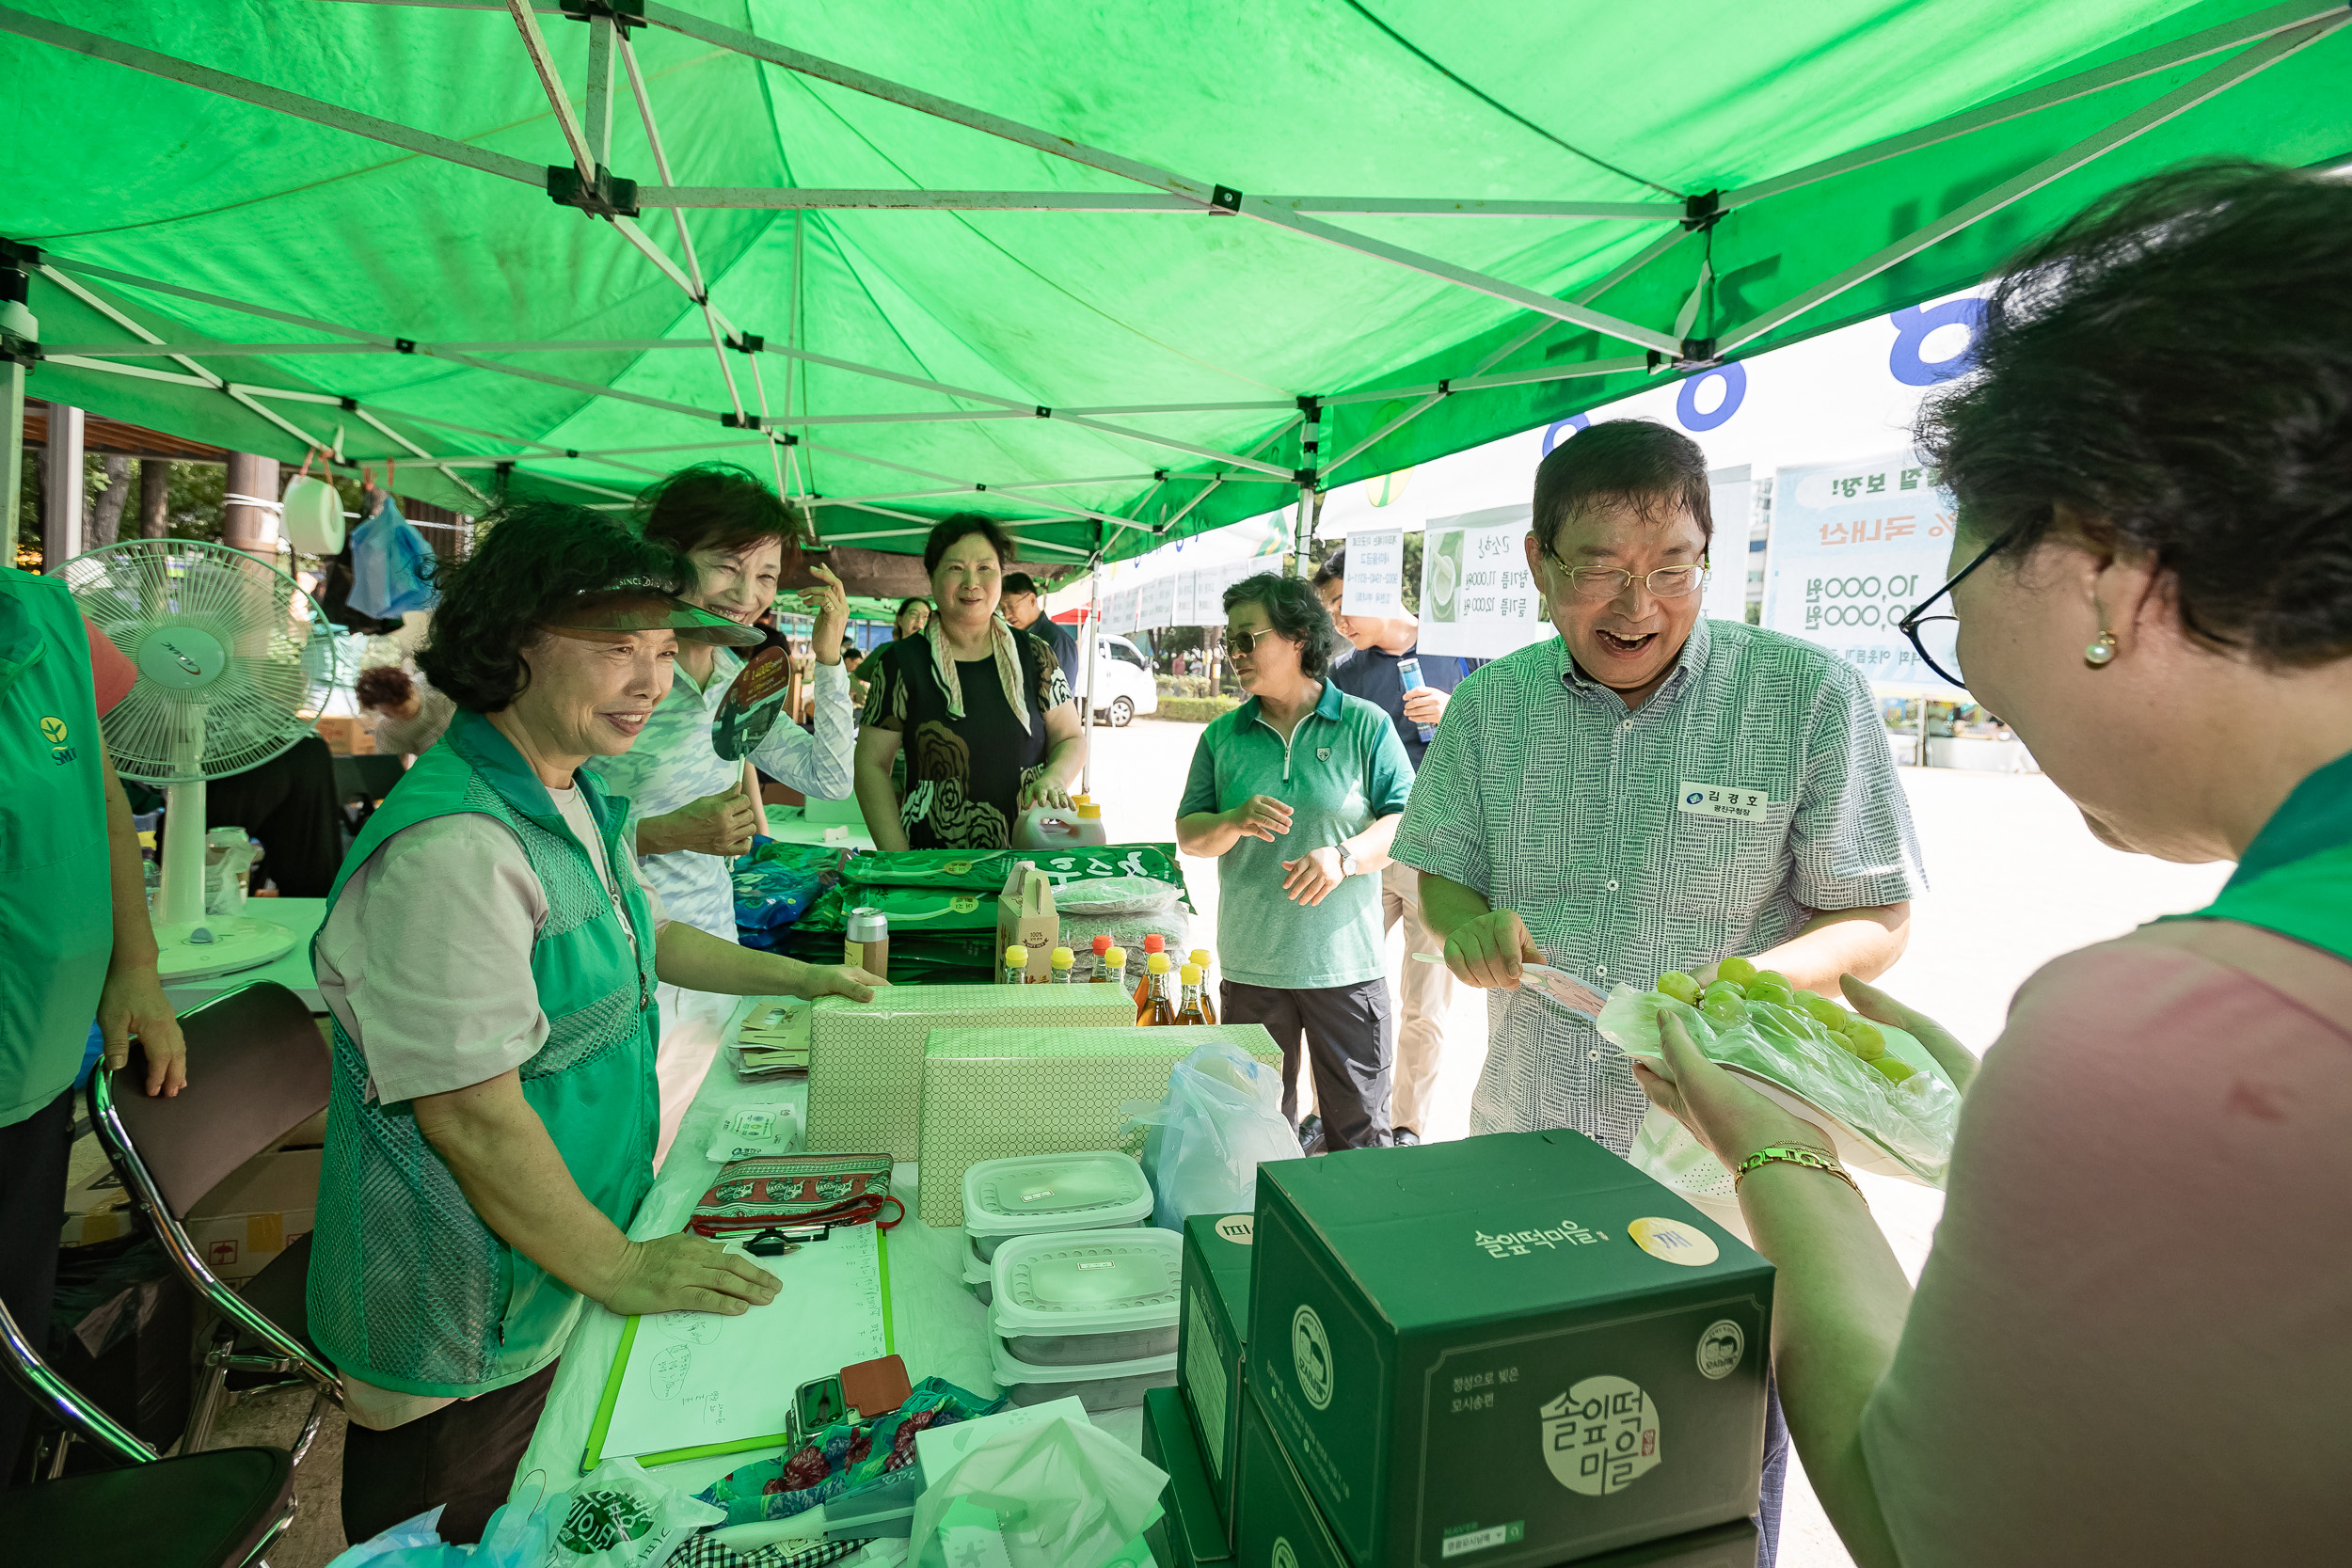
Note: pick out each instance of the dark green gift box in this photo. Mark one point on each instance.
(1210, 1332)
(1190, 1533)
(1282, 1528)
(1508, 1351)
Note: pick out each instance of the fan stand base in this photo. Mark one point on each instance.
(236, 941)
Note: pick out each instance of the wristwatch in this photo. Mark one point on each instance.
(1347, 860)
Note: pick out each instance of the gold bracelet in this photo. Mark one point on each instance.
(1811, 1158)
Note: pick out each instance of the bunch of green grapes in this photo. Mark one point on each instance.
(1738, 983)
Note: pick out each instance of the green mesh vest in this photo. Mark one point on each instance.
(409, 1290)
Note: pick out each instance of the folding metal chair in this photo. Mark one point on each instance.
(256, 1071)
(216, 1510)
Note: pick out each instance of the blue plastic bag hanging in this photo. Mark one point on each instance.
(391, 564)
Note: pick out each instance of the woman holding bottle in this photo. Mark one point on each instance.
(1296, 795)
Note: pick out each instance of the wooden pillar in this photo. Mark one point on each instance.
(244, 526)
(155, 497)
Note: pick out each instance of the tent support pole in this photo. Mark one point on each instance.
(12, 431)
(2131, 127)
(1091, 632)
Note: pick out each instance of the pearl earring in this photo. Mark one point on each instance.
(2101, 650)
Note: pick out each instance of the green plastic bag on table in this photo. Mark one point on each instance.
(913, 911)
(985, 870)
(918, 959)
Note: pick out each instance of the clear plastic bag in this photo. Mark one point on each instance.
(1908, 1125)
(1222, 1117)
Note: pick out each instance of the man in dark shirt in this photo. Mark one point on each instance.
(1024, 610)
(1426, 990)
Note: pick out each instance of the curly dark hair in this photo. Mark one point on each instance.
(2174, 368)
(1633, 463)
(962, 525)
(384, 685)
(531, 559)
(1296, 611)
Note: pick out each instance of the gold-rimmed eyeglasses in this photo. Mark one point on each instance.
(1600, 584)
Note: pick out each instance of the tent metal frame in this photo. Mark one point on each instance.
(2261, 39)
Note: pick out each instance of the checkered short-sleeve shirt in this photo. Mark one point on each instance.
(1545, 793)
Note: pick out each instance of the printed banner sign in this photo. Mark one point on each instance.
(1375, 584)
(1854, 545)
(1477, 596)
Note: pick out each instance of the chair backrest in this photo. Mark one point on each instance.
(257, 1069)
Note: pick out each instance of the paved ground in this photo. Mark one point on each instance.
(2015, 880)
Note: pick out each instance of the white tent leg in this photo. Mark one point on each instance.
(1091, 631)
(61, 488)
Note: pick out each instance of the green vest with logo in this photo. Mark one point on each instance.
(56, 902)
(409, 1290)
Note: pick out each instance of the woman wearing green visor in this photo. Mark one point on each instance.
(489, 957)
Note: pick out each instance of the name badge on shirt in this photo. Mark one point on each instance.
(1705, 800)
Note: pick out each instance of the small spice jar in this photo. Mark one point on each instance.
(865, 943)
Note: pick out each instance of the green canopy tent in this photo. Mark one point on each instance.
(1112, 274)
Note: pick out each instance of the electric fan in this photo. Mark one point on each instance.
(234, 659)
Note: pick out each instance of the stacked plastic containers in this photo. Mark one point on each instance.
(1082, 1293)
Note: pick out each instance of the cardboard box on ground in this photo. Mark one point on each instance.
(1509, 1351)
(348, 737)
(249, 1218)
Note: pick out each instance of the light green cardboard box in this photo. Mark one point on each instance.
(1211, 1335)
(866, 1061)
(1509, 1351)
(1190, 1533)
(991, 1094)
(1280, 1525)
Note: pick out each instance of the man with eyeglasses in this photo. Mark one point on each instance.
(1649, 791)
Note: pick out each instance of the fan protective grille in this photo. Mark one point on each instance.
(267, 693)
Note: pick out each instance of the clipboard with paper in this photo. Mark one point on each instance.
(687, 1384)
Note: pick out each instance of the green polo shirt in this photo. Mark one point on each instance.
(1342, 770)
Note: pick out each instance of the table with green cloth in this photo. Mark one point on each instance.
(938, 1326)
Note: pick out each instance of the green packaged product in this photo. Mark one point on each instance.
(1211, 1335)
(1508, 1351)
(1192, 1534)
(1280, 1525)
(985, 870)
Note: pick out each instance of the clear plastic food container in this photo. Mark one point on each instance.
(1118, 1387)
(978, 1277)
(1041, 1193)
(1090, 1298)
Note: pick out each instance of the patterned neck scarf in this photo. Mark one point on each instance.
(1001, 644)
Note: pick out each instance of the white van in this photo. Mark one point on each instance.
(1123, 686)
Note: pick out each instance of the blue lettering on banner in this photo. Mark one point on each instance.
(1909, 365)
(1734, 380)
(1552, 436)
